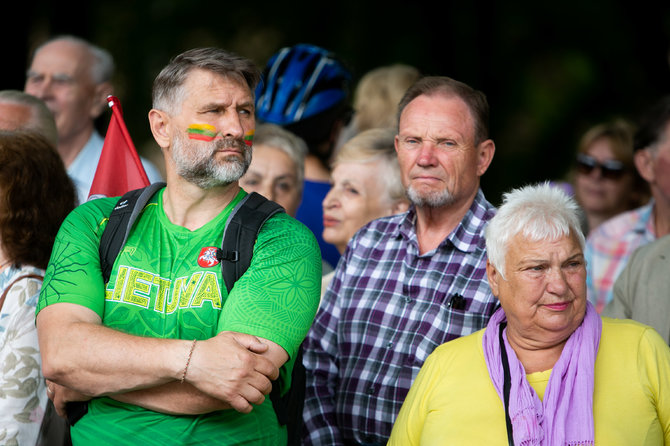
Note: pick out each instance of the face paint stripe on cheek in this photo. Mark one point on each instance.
(249, 137)
(203, 132)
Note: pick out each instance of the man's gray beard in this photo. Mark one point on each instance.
(200, 166)
(430, 200)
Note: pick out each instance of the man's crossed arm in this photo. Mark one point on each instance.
(82, 359)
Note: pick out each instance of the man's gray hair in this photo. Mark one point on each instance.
(537, 212)
(41, 120)
(102, 68)
(168, 93)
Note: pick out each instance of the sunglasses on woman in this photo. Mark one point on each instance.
(611, 169)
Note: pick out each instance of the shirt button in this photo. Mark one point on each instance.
(371, 390)
(408, 299)
(390, 344)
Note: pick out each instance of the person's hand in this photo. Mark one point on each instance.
(61, 395)
(230, 367)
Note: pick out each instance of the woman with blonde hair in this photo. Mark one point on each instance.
(365, 185)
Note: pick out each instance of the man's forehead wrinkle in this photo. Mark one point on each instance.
(432, 130)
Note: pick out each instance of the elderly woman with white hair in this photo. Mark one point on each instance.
(547, 369)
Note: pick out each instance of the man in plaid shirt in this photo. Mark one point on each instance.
(409, 282)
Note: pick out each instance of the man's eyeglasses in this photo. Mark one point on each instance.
(611, 169)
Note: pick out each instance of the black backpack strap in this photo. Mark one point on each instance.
(121, 220)
(239, 236)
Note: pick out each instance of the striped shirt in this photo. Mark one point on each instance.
(385, 311)
(610, 246)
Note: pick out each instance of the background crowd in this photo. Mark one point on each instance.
(321, 156)
(548, 82)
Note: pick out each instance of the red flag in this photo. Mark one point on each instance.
(120, 168)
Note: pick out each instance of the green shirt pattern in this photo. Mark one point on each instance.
(158, 289)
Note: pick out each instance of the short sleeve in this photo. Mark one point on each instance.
(73, 274)
(278, 296)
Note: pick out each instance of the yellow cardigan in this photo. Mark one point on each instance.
(453, 401)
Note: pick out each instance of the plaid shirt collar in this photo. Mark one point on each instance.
(468, 236)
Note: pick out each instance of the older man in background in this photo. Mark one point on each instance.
(409, 282)
(19, 110)
(74, 78)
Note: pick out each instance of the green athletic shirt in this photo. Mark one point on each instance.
(158, 289)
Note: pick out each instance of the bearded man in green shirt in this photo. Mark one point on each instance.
(162, 353)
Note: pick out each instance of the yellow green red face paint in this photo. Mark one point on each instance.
(207, 132)
(249, 138)
(203, 132)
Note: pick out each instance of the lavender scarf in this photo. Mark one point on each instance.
(565, 416)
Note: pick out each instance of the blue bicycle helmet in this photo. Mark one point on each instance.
(301, 82)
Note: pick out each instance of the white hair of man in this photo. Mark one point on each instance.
(536, 212)
(102, 68)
